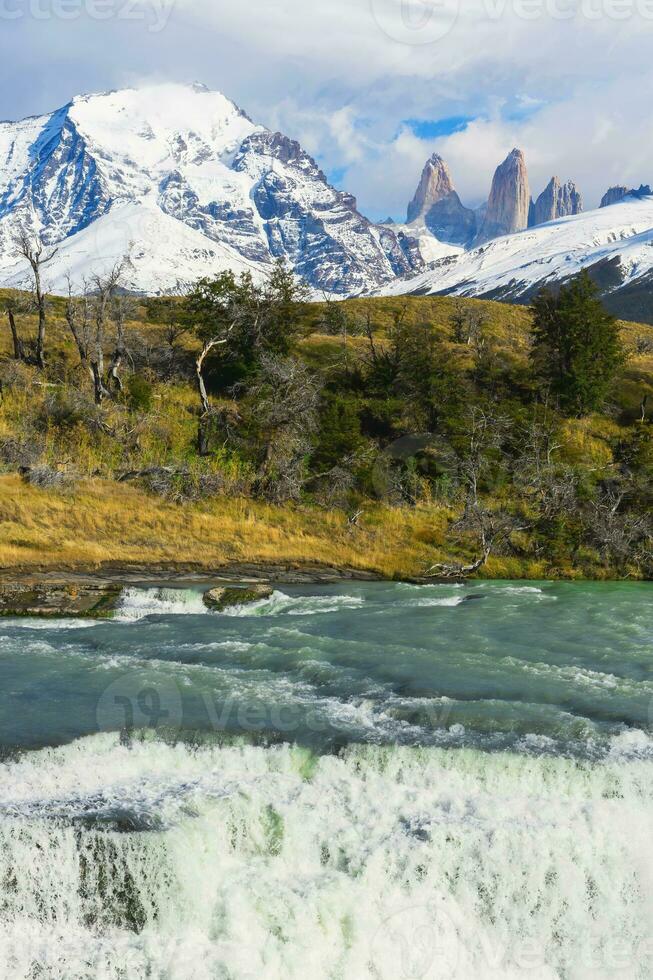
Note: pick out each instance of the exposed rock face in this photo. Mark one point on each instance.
(613, 195)
(616, 194)
(96, 600)
(556, 201)
(316, 227)
(437, 204)
(435, 184)
(508, 206)
(223, 598)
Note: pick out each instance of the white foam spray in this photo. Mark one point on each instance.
(254, 862)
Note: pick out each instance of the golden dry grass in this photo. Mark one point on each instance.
(106, 521)
(103, 521)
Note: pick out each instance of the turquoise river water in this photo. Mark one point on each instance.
(352, 782)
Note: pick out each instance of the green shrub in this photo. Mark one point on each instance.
(140, 394)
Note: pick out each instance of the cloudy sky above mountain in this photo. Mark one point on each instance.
(372, 87)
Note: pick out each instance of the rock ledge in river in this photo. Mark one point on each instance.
(226, 596)
(97, 600)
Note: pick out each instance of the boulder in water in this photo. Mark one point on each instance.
(227, 596)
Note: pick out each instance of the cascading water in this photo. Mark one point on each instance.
(505, 833)
(152, 859)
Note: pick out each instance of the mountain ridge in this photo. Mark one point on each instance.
(615, 244)
(184, 182)
(205, 164)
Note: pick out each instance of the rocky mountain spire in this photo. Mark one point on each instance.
(437, 204)
(434, 185)
(556, 201)
(509, 202)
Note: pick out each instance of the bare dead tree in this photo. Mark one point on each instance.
(643, 344)
(104, 289)
(484, 434)
(620, 535)
(285, 403)
(642, 407)
(467, 322)
(549, 484)
(19, 346)
(79, 320)
(492, 530)
(121, 308)
(207, 347)
(31, 248)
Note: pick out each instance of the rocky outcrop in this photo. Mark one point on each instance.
(508, 206)
(616, 194)
(613, 195)
(437, 204)
(226, 597)
(557, 200)
(95, 600)
(435, 184)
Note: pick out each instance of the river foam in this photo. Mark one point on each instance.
(145, 858)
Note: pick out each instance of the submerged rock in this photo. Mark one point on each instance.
(226, 596)
(96, 600)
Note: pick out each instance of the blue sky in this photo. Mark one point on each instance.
(373, 87)
(427, 129)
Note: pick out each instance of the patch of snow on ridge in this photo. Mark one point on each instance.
(182, 255)
(546, 253)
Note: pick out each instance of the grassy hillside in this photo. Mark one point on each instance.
(64, 499)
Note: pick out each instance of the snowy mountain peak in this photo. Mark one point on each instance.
(124, 169)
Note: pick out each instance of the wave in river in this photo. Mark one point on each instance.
(137, 603)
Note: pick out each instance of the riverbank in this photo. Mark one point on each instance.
(121, 533)
(98, 594)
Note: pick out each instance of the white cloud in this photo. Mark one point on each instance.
(568, 80)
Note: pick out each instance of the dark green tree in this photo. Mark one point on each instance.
(576, 346)
(244, 320)
(426, 380)
(339, 434)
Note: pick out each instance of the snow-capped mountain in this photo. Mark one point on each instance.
(615, 243)
(182, 180)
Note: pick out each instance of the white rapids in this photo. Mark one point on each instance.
(121, 860)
